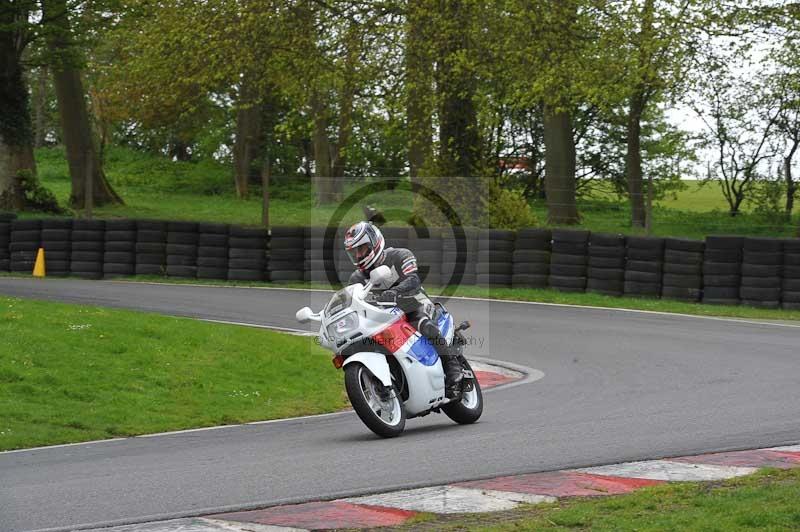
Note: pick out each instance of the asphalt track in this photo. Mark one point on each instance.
(618, 386)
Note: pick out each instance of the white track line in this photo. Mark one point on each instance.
(491, 300)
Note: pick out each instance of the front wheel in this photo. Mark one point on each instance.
(470, 407)
(378, 407)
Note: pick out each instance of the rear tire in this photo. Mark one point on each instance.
(469, 409)
(361, 386)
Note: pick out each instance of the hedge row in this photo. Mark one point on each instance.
(733, 270)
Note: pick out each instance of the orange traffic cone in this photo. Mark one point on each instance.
(38, 267)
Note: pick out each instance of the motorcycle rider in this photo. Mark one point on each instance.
(367, 250)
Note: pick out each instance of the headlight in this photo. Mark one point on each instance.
(344, 325)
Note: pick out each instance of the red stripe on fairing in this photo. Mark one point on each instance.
(395, 335)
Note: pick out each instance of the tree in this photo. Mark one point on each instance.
(419, 61)
(551, 46)
(658, 37)
(740, 129)
(787, 125)
(784, 88)
(76, 125)
(16, 148)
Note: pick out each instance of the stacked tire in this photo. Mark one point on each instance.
(287, 254)
(790, 296)
(212, 251)
(606, 272)
(57, 245)
(762, 266)
(531, 258)
(151, 247)
(722, 270)
(569, 260)
(317, 270)
(5, 239)
(24, 243)
(426, 245)
(495, 265)
(459, 257)
(247, 253)
(396, 237)
(87, 249)
(643, 266)
(119, 257)
(182, 238)
(683, 269)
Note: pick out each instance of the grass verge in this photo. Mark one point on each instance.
(72, 373)
(766, 500)
(156, 187)
(530, 295)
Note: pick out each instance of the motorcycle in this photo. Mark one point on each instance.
(391, 372)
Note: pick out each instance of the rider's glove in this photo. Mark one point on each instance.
(388, 296)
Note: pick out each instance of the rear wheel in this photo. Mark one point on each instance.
(378, 407)
(470, 407)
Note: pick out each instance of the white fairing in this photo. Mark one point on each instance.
(426, 384)
(375, 363)
(345, 322)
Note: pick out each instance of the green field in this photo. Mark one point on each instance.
(767, 500)
(154, 187)
(73, 373)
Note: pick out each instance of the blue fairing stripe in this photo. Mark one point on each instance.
(445, 322)
(424, 352)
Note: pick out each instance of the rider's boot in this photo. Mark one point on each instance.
(453, 373)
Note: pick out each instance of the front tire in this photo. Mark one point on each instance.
(386, 416)
(470, 407)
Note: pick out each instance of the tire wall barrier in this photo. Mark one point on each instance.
(730, 270)
(569, 260)
(606, 271)
(644, 263)
(212, 251)
(494, 265)
(5, 239)
(57, 240)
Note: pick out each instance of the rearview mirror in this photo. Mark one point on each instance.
(304, 315)
(380, 274)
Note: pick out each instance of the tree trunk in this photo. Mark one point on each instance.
(75, 122)
(559, 167)
(246, 146)
(16, 152)
(345, 126)
(308, 155)
(323, 178)
(419, 84)
(637, 103)
(459, 138)
(179, 150)
(633, 161)
(791, 186)
(266, 170)
(339, 153)
(40, 108)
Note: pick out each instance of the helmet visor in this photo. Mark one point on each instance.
(359, 253)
